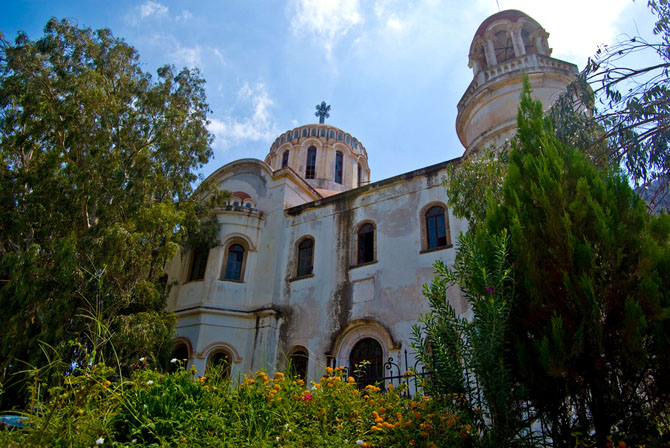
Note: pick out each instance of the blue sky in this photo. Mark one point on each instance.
(393, 71)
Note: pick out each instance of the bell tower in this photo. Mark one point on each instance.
(505, 46)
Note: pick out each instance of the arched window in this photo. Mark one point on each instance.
(234, 263)
(436, 230)
(310, 171)
(284, 159)
(180, 353)
(366, 244)
(299, 360)
(198, 264)
(503, 46)
(305, 257)
(366, 361)
(360, 175)
(219, 361)
(338, 167)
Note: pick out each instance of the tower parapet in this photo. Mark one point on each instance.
(505, 46)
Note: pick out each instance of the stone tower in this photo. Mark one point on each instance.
(505, 46)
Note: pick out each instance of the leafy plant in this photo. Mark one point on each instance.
(468, 356)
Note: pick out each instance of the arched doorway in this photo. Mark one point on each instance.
(299, 360)
(180, 353)
(219, 362)
(369, 353)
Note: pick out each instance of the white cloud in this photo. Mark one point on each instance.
(388, 15)
(184, 15)
(189, 56)
(574, 36)
(329, 20)
(259, 126)
(219, 55)
(151, 8)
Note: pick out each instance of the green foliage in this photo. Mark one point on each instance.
(628, 104)
(154, 409)
(475, 182)
(96, 170)
(590, 313)
(468, 357)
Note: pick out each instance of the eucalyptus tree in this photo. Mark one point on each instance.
(97, 168)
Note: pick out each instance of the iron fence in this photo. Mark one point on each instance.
(395, 373)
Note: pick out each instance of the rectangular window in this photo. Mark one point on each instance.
(198, 265)
(338, 167)
(284, 159)
(331, 134)
(322, 133)
(310, 171)
(304, 132)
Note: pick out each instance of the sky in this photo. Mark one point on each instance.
(392, 70)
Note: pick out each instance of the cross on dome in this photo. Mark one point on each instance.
(322, 111)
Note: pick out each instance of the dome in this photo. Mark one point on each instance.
(504, 36)
(328, 158)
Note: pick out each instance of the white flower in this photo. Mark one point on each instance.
(286, 426)
(150, 382)
(100, 441)
(173, 360)
(142, 359)
(277, 438)
(359, 442)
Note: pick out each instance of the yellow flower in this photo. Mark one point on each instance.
(351, 380)
(329, 370)
(108, 383)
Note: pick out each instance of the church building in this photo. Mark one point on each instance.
(318, 265)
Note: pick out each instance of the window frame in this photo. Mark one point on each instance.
(201, 255)
(226, 260)
(310, 168)
(358, 238)
(285, 158)
(299, 253)
(425, 227)
(339, 168)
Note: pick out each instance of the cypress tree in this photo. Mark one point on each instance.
(591, 267)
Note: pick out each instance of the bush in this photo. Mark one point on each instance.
(154, 409)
